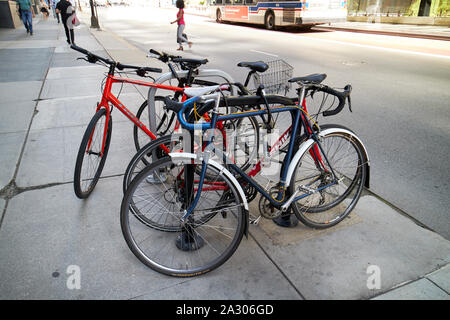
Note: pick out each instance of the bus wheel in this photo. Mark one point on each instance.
(269, 21)
(218, 16)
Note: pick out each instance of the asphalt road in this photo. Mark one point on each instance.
(401, 93)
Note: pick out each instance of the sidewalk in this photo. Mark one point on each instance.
(48, 99)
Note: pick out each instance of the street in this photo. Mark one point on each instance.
(400, 92)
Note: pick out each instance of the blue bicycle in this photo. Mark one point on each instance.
(198, 205)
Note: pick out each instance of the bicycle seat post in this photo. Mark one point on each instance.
(249, 75)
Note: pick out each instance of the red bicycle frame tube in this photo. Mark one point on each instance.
(108, 97)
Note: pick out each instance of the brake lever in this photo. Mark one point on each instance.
(141, 72)
(349, 89)
(83, 59)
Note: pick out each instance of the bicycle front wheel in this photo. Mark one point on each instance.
(151, 220)
(91, 159)
(332, 176)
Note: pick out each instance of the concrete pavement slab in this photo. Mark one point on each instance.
(76, 87)
(20, 64)
(74, 72)
(10, 146)
(334, 265)
(50, 154)
(16, 116)
(19, 91)
(28, 43)
(78, 111)
(422, 289)
(52, 230)
(69, 59)
(84, 41)
(441, 278)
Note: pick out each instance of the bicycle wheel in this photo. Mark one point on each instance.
(90, 160)
(328, 201)
(207, 238)
(243, 135)
(147, 154)
(164, 120)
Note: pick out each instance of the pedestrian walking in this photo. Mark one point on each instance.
(181, 37)
(66, 10)
(44, 9)
(53, 4)
(26, 14)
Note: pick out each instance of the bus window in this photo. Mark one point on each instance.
(250, 1)
(238, 2)
(227, 1)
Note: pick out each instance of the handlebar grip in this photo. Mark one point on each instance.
(341, 97)
(155, 52)
(150, 69)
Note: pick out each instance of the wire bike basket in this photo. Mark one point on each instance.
(275, 79)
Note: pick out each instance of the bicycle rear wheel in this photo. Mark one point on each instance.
(90, 160)
(165, 122)
(207, 238)
(328, 201)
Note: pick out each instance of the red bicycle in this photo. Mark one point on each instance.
(94, 146)
(97, 137)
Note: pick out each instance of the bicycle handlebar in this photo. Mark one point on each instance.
(92, 58)
(121, 66)
(341, 97)
(163, 57)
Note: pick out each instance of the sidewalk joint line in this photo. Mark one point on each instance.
(278, 267)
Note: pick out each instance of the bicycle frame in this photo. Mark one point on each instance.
(108, 97)
(299, 120)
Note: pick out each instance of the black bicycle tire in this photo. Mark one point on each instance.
(81, 151)
(124, 213)
(359, 178)
(136, 128)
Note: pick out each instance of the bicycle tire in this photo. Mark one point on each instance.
(143, 157)
(330, 205)
(163, 127)
(213, 240)
(79, 181)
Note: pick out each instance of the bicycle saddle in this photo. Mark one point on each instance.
(194, 63)
(315, 78)
(254, 66)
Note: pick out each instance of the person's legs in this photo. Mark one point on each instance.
(29, 18)
(72, 36)
(25, 20)
(181, 38)
(66, 29)
(180, 34)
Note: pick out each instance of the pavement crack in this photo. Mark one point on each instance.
(12, 189)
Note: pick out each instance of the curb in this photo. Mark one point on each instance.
(386, 33)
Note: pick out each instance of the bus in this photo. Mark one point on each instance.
(272, 14)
